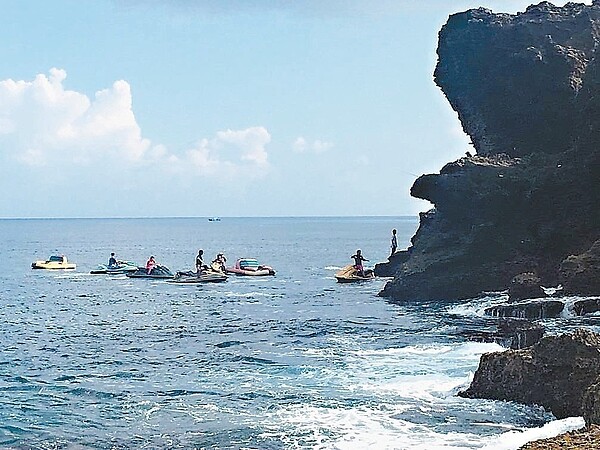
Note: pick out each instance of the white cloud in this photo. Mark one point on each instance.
(231, 153)
(300, 145)
(42, 122)
(250, 141)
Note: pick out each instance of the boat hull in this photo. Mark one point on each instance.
(52, 266)
(105, 270)
(251, 273)
(159, 272)
(208, 277)
(353, 279)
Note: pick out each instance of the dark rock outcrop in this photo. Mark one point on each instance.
(586, 306)
(532, 309)
(526, 88)
(388, 269)
(525, 285)
(581, 274)
(591, 403)
(555, 373)
(520, 333)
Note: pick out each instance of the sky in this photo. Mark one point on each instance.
(229, 108)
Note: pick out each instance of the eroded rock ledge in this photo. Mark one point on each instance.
(526, 88)
(560, 373)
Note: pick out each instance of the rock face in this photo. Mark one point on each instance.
(525, 285)
(526, 88)
(520, 333)
(581, 274)
(555, 373)
(536, 309)
(591, 403)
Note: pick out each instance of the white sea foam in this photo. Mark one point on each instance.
(413, 374)
(361, 428)
(477, 307)
(514, 439)
(333, 268)
(410, 385)
(569, 309)
(424, 373)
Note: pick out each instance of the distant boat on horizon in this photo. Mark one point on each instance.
(214, 219)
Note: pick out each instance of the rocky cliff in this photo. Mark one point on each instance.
(559, 372)
(526, 88)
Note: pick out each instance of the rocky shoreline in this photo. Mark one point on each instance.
(521, 215)
(584, 439)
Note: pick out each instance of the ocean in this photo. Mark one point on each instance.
(294, 361)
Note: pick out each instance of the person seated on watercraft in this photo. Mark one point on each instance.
(220, 261)
(150, 265)
(199, 262)
(112, 261)
(358, 259)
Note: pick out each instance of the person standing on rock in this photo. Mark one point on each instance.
(394, 242)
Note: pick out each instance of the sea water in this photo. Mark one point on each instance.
(292, 361)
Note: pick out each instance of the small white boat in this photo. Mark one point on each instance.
(214, 219)
(55, 262)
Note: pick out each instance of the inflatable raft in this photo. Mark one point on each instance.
(250, 267)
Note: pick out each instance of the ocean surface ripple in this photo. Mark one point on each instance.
(291, 361)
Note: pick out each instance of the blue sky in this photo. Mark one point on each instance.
(137, 108)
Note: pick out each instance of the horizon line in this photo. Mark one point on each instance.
(204, 217)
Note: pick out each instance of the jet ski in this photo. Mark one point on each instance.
(189, 277)
(54, 262)
(120, 268)
(157, 272)
(250, 267)
(349, 274)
